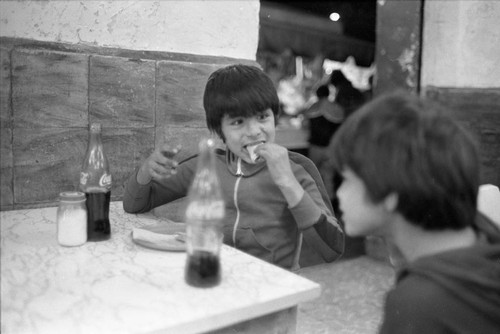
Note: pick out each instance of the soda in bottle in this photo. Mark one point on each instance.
(204, 214)
(95, 182)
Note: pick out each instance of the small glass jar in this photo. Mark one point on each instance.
(71, 219)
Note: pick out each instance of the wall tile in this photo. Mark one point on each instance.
(42, 183)
(126, 149)
(179, 97)
(5, 109)
(6, 148)
(122, 91)
(49, 89)
(6, 196)
(49, 145)
(6, 162)
(187, 137)
(46, 162)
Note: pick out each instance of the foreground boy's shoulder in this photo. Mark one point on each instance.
(416, 295)
(455, 291)
(415, 305)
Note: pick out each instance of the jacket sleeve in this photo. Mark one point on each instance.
(139, 198)
(314, 214)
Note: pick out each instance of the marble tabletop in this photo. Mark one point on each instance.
(116, 286)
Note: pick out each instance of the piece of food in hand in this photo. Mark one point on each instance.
(251, 151)
(180, 236)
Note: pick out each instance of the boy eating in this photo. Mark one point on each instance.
(274, 199)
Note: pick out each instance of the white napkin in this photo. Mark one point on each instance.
(169, 237)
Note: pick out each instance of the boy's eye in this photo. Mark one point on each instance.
(236, 121)
(264, 115)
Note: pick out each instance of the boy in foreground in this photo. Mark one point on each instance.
(411, 175)
(274, 199)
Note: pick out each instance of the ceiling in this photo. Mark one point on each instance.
(286, 29)
(358, 17)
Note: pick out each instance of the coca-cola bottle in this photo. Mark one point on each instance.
(95, 182)
(204, 213)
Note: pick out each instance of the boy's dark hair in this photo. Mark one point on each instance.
(322, 91)
(239, 91)
(405, 145)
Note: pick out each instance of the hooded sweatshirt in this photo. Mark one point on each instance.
(456, 291)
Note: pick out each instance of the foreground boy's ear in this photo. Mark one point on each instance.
(391, 202)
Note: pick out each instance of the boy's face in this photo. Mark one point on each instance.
(360, 215)
(241, 132)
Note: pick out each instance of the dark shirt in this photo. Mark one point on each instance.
(457, 291)
(321, 131)
(349, 98)
(325, 118)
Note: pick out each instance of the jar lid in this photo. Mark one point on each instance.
(71, 196)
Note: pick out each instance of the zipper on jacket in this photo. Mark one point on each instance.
(239, 173)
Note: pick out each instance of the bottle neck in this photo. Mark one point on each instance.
(95, 135)
(206, 181)
(95, 175)
(95, 152)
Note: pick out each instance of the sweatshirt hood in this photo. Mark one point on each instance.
(471, 274)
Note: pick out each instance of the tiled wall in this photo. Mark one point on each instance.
(50, 92)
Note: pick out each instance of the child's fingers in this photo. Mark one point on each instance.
(160, 171)
(169, 151)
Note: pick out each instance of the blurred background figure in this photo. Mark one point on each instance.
(350, 99)
(346, 95)
(324, 117)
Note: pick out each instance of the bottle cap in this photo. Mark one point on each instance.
(71, 196)
(206, 143)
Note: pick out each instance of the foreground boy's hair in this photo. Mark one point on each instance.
(405, 145)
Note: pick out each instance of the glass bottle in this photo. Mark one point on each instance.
(71, 219)
(204, 214)
(95, 182)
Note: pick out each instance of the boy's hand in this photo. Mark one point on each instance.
(278, 162)
(159, 165)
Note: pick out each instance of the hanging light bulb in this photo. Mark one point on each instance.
(334, 16)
